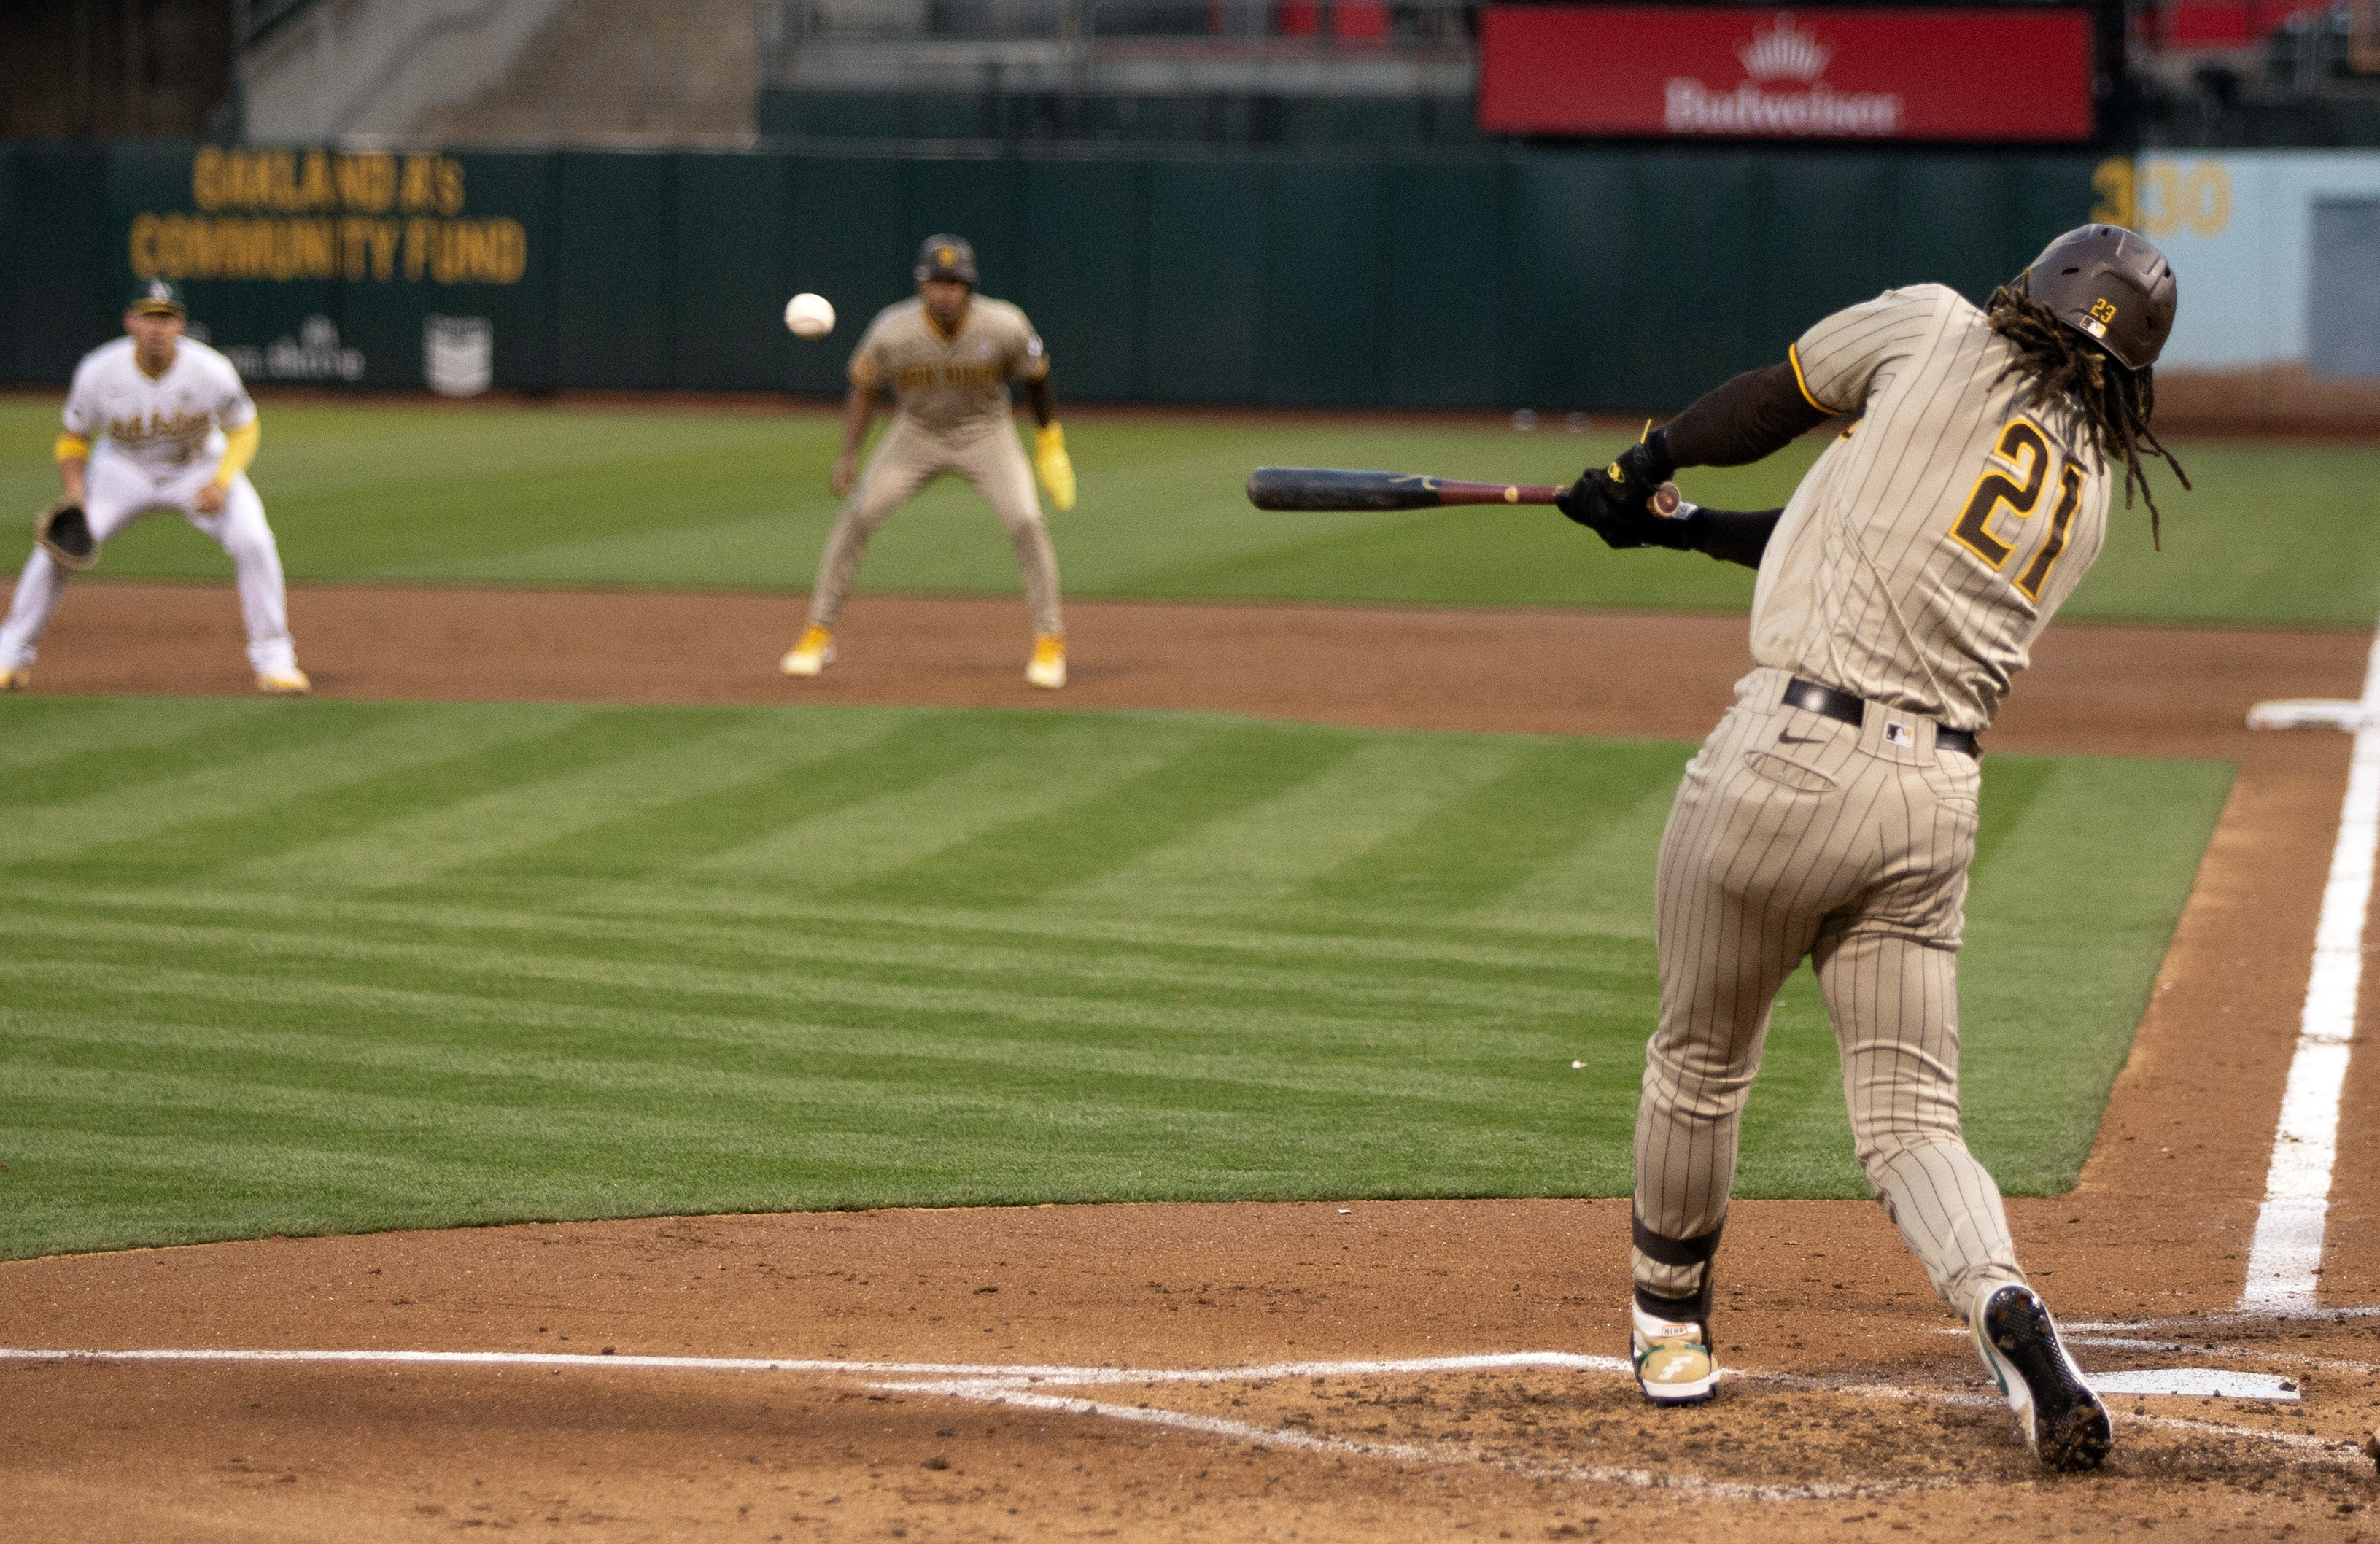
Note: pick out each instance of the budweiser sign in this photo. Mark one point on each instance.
(1783, 92)
(1642, 71)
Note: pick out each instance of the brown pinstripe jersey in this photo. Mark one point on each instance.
(1935, 537)
(955, 381)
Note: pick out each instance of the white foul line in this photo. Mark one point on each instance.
(2284, 1260)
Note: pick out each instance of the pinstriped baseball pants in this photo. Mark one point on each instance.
(904, 460)
(1796, 837)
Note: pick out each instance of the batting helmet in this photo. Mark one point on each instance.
(946, 257)
(2112, 286)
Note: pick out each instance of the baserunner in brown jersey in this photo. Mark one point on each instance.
(1832, 815)
(948, 356)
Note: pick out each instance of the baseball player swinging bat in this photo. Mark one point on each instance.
(1341, 488)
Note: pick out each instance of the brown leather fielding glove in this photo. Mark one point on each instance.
(65, 535)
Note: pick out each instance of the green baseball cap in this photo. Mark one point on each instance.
(157, 298)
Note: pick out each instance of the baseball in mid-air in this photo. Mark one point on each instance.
(809, 316)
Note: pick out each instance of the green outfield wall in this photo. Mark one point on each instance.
(1555, 279)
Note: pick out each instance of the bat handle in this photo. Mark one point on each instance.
(1668, 503)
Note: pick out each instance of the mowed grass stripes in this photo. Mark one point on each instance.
(670, 496)
(327, 966)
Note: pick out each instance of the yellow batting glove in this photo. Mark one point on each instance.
(1055, 468)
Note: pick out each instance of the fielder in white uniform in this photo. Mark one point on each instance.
(154, 421)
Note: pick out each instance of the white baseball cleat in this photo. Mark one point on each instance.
(811, 653)
(2064, 1422)
(291, 682)
(1674, 1361)
(1047, 666)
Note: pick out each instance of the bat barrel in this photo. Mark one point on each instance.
(1339, 488)
(1345, 487)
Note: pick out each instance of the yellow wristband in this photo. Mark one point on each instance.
(73, 447)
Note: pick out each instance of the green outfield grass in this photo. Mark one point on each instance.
(326, 966)
(571, 495)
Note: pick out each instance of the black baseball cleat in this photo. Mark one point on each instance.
(2064, 1422)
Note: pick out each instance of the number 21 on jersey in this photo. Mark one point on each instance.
(2013, 487)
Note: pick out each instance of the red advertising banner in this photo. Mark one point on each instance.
(1728, 72)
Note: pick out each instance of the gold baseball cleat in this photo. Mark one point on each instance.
(291, 682)
(1674, 1361)
(1048, 667)
(811, 653)
(15, 680)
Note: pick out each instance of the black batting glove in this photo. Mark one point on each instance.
(1647, 461)
(1614, 500)
(1606, 509)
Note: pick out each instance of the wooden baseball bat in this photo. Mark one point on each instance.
(1341, 488)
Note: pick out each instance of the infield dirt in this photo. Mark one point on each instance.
(1858, 1411)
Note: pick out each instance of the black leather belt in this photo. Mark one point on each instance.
(1842, 707)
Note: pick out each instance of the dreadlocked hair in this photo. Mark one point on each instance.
(2115, 400)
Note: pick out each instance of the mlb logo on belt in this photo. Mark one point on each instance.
(1897, 732)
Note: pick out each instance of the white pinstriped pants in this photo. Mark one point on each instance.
(904, 460)
(1793, 836)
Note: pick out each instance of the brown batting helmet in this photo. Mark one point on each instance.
(2111, 285)
(946, 257)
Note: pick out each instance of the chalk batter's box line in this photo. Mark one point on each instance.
(1019, 1387)
(1016, 1387)
(1028, 1373)
(1009, 1396)
(2215, 1321)
(2140, 1335)
(2302, 1450)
